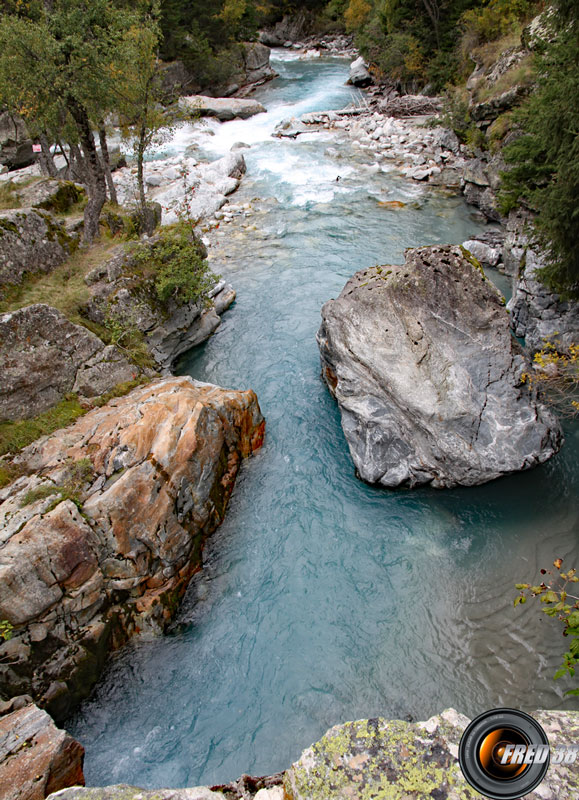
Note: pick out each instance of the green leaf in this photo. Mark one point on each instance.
(550, 597)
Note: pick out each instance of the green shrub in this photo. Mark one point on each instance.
(176, 265)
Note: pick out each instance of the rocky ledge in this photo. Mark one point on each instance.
(169, 328)
(44, 357)
(372, 759)
(101, 534)
(427, 376)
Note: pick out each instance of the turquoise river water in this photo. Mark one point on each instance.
(323, 599)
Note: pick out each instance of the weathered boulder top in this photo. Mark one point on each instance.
(100, 536)
(427, 376)
(394, 760)
(224, 108)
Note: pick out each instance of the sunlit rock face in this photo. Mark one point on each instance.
(427, 376)
(99, 538)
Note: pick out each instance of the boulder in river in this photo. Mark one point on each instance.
(359, 75)
(102, 533)
(427, 376)
(224, 108)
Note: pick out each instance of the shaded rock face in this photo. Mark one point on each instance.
(15, 143)
(31, 241)
(169, 328)
(539, 315)
(43, 356)
(395, 760)
(428, 378)
(289, 29)
(98, 540)
(51, 195)
(36, 758)
(224, 108)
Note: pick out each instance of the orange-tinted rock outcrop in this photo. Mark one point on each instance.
(98, 540)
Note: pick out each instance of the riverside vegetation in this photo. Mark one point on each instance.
(132, 298)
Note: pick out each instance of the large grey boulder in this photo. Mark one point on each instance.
(15, 142)
(51, 195)
(44, 356)
(31, 241)
(224, 108)
(427, 376)
(359, 75)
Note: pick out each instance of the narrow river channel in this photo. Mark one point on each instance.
(323, 599)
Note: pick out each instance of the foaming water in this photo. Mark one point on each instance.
(323, 599)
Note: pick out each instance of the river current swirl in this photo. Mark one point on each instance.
(323, 599)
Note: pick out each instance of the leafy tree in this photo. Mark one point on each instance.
(62, 65)
(545, 160)
(559, 604)
(144, 121)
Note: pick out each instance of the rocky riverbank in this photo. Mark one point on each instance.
(379, 758)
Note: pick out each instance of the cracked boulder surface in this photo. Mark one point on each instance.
(427, 376)
(379, 759)
(36, 757)
(31, 242)
(101, 534)
(44, 356)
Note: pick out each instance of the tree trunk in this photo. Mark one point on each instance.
(140, 175)
(46, 160)
(95, 177)
(107, 164)
(77, 170)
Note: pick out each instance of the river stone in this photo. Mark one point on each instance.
(224, 108)
(359, 75)
(428, 378)
(101, 535)
(36, 758)
(44, 356)
(396, 760)
(31, 241)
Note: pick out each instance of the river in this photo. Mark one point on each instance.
(323, 599)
